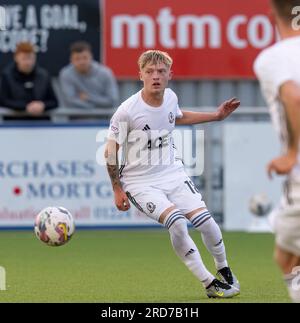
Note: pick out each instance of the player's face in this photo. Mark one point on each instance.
(82, 61)
(25, 62)
(155, 77)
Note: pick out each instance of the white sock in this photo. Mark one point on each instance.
(293, 284)
(185, 247)
(211, 236)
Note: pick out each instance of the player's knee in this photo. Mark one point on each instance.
(208, 226)
(177, 227)
(173, 217)
(178, 233)
(181, 226)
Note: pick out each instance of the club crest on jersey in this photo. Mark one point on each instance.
(171, 117)
(151, 207)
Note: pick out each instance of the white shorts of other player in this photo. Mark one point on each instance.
(153, 198)
(285, 220)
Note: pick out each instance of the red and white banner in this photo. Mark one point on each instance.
(207, 39)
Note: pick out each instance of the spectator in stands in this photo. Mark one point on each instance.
(25, 86)
(85, 83)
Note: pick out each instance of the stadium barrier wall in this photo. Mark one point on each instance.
(55, 164)
(58, 165)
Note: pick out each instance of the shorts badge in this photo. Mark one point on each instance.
(151, 207)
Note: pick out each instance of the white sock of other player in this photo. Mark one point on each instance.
(185, 247)
(293, 284)
(211, 236)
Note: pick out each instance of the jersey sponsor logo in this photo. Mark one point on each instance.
(159, 142)
(171, 117)
(151, 207)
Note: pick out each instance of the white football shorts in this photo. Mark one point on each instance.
(153, 198)
(285, 220)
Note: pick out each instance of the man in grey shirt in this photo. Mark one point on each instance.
(86, 83)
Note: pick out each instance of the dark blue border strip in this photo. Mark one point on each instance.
(55, 125)
(71, 124)
(96, 227)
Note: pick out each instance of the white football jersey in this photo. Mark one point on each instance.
(275, 66)
(145, 136)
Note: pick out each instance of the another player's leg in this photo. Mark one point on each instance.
(213, 240)
(290, 266)
(187, 251)
(285, 223)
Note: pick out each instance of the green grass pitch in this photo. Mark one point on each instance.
(130, 266)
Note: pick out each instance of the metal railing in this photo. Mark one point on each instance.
(63, 114)
(58, 115)
(210, 183)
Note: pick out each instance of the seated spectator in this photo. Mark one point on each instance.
(25, 86)
(85, 83)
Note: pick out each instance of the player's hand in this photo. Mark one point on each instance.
(121, 200)
(226, 108)
(35, 108)
(282, 165)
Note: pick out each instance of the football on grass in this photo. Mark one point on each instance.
(54, 226)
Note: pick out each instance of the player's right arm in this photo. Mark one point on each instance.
(117, 135)
(112, 164)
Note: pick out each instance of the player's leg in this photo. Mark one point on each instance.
(188, 199)
(155, 204)
(286, 224)
(290, 267)
(183, 245)
(166, 213)
(286, 260)
(212, 238)
(211, 234)
(187, 251)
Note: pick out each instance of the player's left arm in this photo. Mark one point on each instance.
(223, 111)
(290, 97)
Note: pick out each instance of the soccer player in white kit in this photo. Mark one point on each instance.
(152, 176)
(278, 70)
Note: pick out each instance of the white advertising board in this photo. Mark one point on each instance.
(56, 166)
(248, 148)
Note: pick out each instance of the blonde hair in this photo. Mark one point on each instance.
(154, 57)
